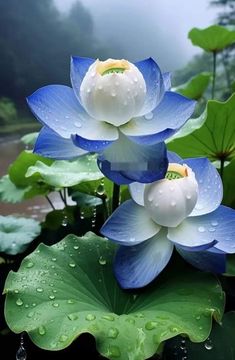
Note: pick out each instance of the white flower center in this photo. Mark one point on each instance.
(171, 200)
(113, 91)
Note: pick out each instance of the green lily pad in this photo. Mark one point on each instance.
(196, 86)
(215, 139)
(10, 193)
(17, 170)
(68, 289)
(63, 173)
(228, 184)
(219, 346)
(30, 139)
(17, 233)
(214, 38)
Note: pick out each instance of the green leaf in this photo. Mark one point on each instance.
(17, 233)
(215, 139)
(214, 38)
(19, 167)
(30, 139)
(196, 86)
(9, 193)
(68, 289)
(63, 173)
(220, 345)
(230, 265)
(229, 184)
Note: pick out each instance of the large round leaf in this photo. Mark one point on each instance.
(215, 139)
(196, 86)
(214, 38)
(10, 193)
(63, 173)
(67, 289)
(17, 233)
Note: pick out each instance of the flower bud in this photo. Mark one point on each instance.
(113, 91)
(171, 200)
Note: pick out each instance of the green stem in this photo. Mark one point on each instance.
(116, 196)
(50, 202)
(62, 198)
(214, 75)
(65, 196)
(226, 70)
(222, 168)
(105, 206)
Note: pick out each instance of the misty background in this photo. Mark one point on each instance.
(37, 39)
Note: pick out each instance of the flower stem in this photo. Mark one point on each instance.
(214, 75)
(62, 197)
(222, 168)
(116, 196)
(50, 202)
(105, 206)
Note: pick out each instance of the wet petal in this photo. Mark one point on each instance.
(78, 69)
(49, 144)
(136, 266)
(129, 225)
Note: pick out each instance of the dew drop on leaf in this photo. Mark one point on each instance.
(208, 344)
(113, 333)
(41, 330)
(102, 261)
(90, 317)
(19, 302)
(72, 317)
(150, 325)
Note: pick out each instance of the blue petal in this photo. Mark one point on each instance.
(135, 162)
(129, 225)
(51, 145)
(90, 145)
(210, 187)
(137, 192)
(154, 84)
(166, 119)
(57, 107)
(136, 266)
(78, 69)
(167, 80)
(115, 176)
(217, 226)
(174, 158)
(205, 260)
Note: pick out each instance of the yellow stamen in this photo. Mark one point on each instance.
(176, 171)
(103, 67)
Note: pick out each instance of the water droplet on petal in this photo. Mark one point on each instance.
(188, 196)
(148, 116)
(78, 124)
(214, 223)
(173, 203)
(201, 229)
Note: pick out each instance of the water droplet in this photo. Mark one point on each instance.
(102, 261)
(55, 305)
(100, 190)
(19, 302)
(88, 91)
(113, 94)
(113, 351)
(214, 223)
(41, 330)
(30, 264)
(150, 325)
(188, 196)
(160, 192)
(149, 116)
(113, 333)
(201, 229)
(52, 297)
(82, 217)
(63, 338)
(174, 329)
(39, 290)
(212, 229)
(30, 314)
(67, 117)
(21, 352)
(108, 317)
(72, 264)
(208, 344)
(77, 124)
(70, 301)
(64, 221)
(76, 247)
(72, 317)
(53, 259)
(16, 291)
(198, 317)
(173, 203)
(132, 239)
(90, 317)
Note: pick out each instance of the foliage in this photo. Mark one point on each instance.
(195, 87)
(88, 299)
(8, 111)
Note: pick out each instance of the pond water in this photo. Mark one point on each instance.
(36, 208)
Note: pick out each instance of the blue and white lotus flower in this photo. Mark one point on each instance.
(120, 110)
(182, 210)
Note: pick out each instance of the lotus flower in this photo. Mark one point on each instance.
(120, 110)
(182, 211)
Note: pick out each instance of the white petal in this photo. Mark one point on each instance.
(113, 97)
(169, 202)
